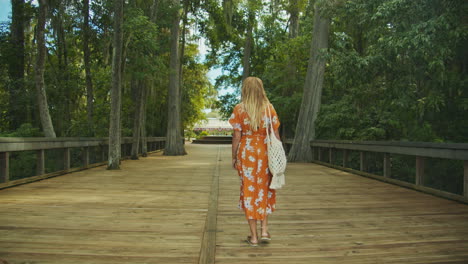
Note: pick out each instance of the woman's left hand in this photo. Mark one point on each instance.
(234, 161)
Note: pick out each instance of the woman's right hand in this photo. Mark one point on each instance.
(234, 162)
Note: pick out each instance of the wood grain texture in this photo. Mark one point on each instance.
(329, 216)
(155, 210)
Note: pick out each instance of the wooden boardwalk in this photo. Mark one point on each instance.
(184, 209)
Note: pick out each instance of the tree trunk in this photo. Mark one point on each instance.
(87, 65)
(311, 99)
(144, 147)
(16, 114)
(174, 144)
(114, 129)
(293, 33)
(46, 121)
(294, 19)
(181, 63)
(138, 116)
(248, 46)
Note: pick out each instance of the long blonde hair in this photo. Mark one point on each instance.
(254, 100)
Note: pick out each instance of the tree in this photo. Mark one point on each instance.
(16, 69)
(248, 44)
(46, 121)
(305, 129)
(115, 123)
(87, 66)
(174, 145)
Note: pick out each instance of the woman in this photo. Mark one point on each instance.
(250, 119)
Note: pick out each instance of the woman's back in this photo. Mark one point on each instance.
(240, 120)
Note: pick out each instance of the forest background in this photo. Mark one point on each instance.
(396, 69)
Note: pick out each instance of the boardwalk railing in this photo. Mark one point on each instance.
(40, 158)
(326, 152)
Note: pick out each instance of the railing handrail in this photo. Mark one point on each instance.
(420, 150)
(457, 151)
(10, 144)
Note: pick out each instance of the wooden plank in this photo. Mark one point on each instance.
(40, 162)
(439, 193)
(465, 178)
(66, 158)
(208, 245)
(164, 214)
(85, 156)
(387, 165)
(425, 149)
(102, 216)
(4, 167)
(362, 161)
(420, 171)
(345, 158)
(329, 216)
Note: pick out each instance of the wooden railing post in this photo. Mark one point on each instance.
(465, 177)
(362, 161)
(66, 158)
(85, 156)
(4, 167)
(387, 166)
(103, 152)
(330, 155)
(319, 153)
(40, 168)
(419, 170)
(345, 158)
(312, 149)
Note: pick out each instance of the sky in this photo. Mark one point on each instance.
(5, 10)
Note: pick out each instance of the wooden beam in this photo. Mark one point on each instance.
(447, 195)
(4, 166)
(420, 170)
(387, 164)
(40, 164)
(457, 151)
(465, 177)
(66, 158)
(345, 158)
(362, 161)
(208, 246)
(85, 156)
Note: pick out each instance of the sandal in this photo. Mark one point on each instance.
(266, 238)
(250, 242)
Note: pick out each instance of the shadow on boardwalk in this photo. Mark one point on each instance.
(154, 210)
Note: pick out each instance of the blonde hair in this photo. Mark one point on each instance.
(254, 100)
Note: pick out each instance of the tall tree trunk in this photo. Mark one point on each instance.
(63, 72)
(116, 91)
(293, 18)
(87, 65)
(248, 46)
(139, 97)
(16, 114)
(46, 121)
(181, 62)
(174, 144)
(311, 99)
(144, 148)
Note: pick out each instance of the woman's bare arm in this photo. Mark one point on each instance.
(235, 145)
(277, 134)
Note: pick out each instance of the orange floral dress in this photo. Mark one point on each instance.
(256, 198)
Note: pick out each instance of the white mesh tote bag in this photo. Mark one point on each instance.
(276, 156)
